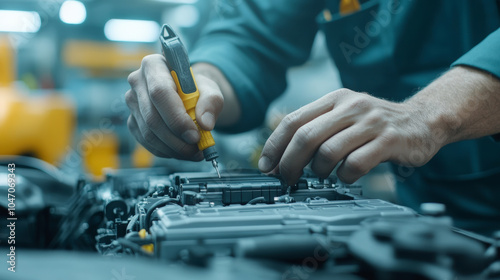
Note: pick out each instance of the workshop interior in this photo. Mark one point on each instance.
(80, 198)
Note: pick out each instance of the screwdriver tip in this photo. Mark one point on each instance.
(216, 166)
(218, 173)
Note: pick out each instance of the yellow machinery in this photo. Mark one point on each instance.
(39, 126)
(42, 126)
(106, 60)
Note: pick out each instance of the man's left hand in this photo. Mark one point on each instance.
(362, 131)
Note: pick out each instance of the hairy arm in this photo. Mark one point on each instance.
(360, 131)
(464, 103)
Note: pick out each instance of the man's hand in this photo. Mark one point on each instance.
(158, 119)
(362, 131)
(344, 125)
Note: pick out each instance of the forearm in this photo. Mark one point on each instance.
(231, 111)
(462, 104)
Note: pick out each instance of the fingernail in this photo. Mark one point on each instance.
(265, 164)
(208, 119)
(191, 136)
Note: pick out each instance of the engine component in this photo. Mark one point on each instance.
(185, 212)
(314, 229)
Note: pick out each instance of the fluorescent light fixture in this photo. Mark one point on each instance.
(72, 12)
(127, 30)
(19, 21)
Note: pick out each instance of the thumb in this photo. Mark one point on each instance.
(209, 104)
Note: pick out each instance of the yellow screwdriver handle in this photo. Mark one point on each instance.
(190, 100)
(180, 68)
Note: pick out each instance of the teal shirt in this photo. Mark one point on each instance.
(389, 49)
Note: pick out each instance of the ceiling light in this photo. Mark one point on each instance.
(19, 21)
(127, 30)
(72, 12)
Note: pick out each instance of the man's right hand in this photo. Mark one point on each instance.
(158, 119)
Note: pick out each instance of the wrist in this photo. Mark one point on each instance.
(440, 105)
(436, 121)
(462, 104)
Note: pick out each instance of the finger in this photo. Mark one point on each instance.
(134, 129)
(153, 122)
(138, 88)
(140, 105)
(362, 160)
(152, 140)
(209, 104)
(163, 94)
(278, 141)
(149, 139)
(334, 149)
(275, 171)
(134, 79)
(308, 138)
(131, 100)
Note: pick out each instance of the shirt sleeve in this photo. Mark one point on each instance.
(485, 56)
(253, 42)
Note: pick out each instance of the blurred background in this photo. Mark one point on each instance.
(63, 70)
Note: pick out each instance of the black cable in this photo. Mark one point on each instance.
(135, 247)
(155, 205)
(132, 234)
(257, 200)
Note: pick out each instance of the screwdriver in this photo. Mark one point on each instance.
(180, 68)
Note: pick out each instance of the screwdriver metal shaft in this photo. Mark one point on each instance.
(215, 164)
